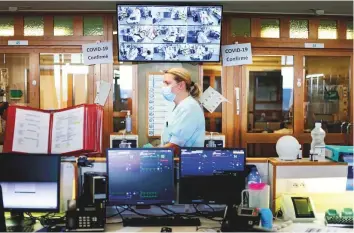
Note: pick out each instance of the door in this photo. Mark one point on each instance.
(267, 104)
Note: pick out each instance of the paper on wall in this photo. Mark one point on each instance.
(211, 99)
(103, 88)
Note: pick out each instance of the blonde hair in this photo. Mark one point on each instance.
(183, 75)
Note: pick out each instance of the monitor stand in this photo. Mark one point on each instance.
(18, 221)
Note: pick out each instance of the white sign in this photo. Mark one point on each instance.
(314, 45)
(211, 99)
(98, 53)
(17, 42)
(103, 89)
(236, 54)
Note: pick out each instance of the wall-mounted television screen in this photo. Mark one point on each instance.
(169, 33)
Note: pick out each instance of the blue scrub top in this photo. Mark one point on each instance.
(185, 125)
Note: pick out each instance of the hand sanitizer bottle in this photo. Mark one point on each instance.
(128, 123)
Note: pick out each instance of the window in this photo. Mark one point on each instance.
(93, 26)
(270, 28)
(7, 26)
(270, 95)
(33, 26)
(63, 26)
(299, 28)
(241, 27)
(327, 92)
(122, 94)
(63, 80)
(327, 29)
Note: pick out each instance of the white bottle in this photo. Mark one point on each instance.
(128, 123)
(318, 145)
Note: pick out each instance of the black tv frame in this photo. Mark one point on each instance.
(170, 4)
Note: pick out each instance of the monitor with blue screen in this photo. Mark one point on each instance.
(211, 175)
(140, 176)
(211, 161)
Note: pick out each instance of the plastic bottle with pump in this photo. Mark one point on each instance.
(128, 123)
(318, 145)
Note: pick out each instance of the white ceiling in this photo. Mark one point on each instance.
(279, 7)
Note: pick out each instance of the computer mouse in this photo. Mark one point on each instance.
(166, 229)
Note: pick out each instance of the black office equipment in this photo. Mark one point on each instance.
(89, 214)
(211, 175)
(85, 219)
(2, 213)
(239, 219)
(30, 183)
(161, 221)
(143, 176)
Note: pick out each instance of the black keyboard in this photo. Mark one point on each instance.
(337, 221)
(19, 229)
(160, 221)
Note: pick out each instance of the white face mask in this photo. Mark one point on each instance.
(168, 94)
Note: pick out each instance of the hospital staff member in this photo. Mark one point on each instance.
(185, 126)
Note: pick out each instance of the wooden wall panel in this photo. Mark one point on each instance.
(298, 103)
(33, 81)
(78, 25)
(48, 25)
(284, 28)
(19, 25)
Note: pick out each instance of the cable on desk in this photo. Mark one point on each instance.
(146, 215)
(206, 215)
(218, 229)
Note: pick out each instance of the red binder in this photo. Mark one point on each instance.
(73, 131)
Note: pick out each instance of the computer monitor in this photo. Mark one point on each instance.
(211, 175)
(143, 176)
(30, 182)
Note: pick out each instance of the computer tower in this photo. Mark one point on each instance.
(2, 213)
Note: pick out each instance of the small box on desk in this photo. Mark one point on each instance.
(339, 153)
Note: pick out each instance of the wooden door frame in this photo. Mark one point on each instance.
(298, 120)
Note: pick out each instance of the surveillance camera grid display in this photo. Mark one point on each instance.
(169, 33)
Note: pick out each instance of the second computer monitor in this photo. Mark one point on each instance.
(143, 176)
(30, 182)
(211, 175)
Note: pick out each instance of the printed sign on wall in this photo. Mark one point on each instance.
(236, 54)
(98, 53)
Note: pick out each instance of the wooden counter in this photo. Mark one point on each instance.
(304, 162)
(248, 160)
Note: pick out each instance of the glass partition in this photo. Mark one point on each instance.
(327, 93)
(14, 71)
(270, 94)
(63, 80)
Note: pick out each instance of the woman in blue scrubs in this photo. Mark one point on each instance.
(185, 125)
